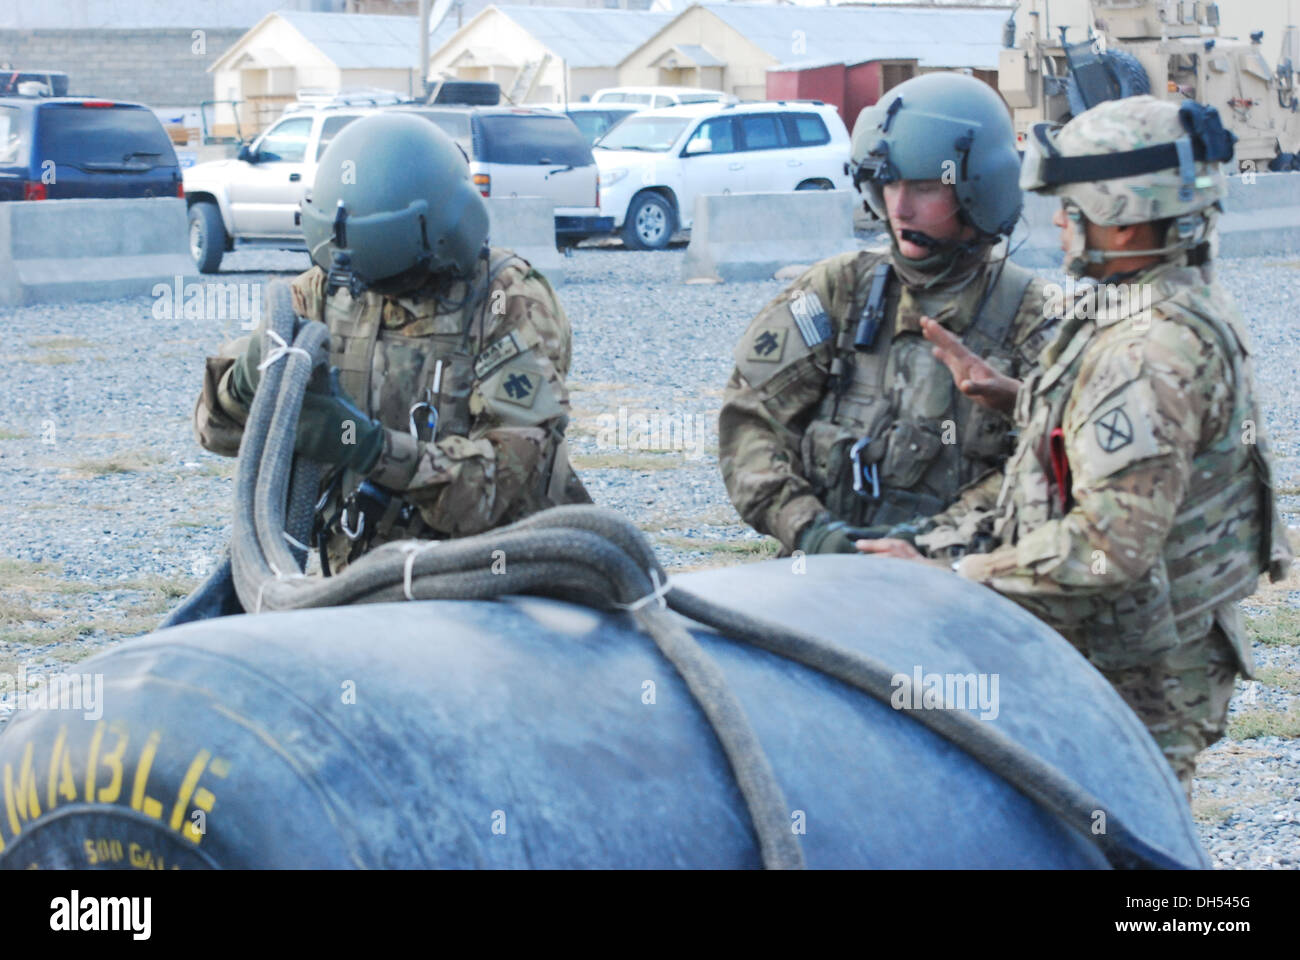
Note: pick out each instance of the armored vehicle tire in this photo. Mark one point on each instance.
(207, 236)
(817, 184)
(650, 222)
(1129, 73)
(535, 733)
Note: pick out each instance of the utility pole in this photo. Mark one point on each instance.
(424, 47)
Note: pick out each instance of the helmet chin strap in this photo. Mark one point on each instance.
(1079, 255)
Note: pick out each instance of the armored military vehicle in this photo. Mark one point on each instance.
(1169, 49)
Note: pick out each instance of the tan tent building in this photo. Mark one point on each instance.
(544, 54)
(732, 46)
(290, 50)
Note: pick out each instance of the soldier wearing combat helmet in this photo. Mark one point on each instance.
(837, 414)
(448, 413)
(1138, 507)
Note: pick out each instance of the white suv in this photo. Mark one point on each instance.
(655, 163)
(660, 96)
(254, 198)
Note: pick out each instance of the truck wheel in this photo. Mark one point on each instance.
(1128, 71)
(817, 184)
(207, 236)
(650, 222)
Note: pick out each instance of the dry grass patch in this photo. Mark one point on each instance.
(1207, 810)
(167, 586)
(1278, 626)
(59, 343)
(25, 573)
(1262, 722)
(7, 434)
(129, 461)
(14, 611)
(52, 359)
(742, 549)
(58, 633)
(1280, 677)
(74, 651)
(623, 461)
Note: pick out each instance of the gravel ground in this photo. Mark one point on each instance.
(110, 511)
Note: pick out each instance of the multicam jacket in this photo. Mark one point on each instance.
(490, 357)
(788, 426)
(1138, 506)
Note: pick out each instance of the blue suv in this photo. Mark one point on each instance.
(58, 148)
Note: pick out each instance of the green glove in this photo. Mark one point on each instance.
(333, 431)
(244, 376)
(828, 535)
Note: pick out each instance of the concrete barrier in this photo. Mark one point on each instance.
(1261, 218)
(749, 236)
(56, 251)
(526, 225)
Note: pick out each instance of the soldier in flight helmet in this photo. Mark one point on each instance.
(446, 412)
(1138, 507)
(838, 422)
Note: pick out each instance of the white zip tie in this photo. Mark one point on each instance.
(412, 551)
(300, 546)
(282, 349)
(661, 588)
(257, 608)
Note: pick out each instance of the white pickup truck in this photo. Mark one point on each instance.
(253, 199)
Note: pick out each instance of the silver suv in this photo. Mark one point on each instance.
(254, 198)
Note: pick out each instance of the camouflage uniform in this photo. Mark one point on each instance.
(1138, 507)
(499, 361)
(786, 432)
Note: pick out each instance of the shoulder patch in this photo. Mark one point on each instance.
(810, 317)
(518, 387)
(768, 345)
(1114, 429)
(495, 354)
(1118, 433)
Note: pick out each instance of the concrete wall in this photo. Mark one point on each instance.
(157, 67)
(526, 225)
(749, 236)
(55, 251)
(1260, 219)
(745, 70)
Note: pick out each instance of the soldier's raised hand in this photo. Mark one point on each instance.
(973, 376)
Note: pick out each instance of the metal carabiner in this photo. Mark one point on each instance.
(351, 534)
(860, 473)
(431, 421)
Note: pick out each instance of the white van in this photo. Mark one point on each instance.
(660, 96)
(655, 163)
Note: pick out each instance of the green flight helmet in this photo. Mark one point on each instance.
(942, 126)
(393, 202)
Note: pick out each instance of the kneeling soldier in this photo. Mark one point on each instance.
(451, 355)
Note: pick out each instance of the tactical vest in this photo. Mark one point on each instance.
(1226, 530)
(918, 439)
(397, 380)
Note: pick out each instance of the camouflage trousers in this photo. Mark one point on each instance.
(1182, 698)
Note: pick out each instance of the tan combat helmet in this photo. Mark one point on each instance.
(1133, 161)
